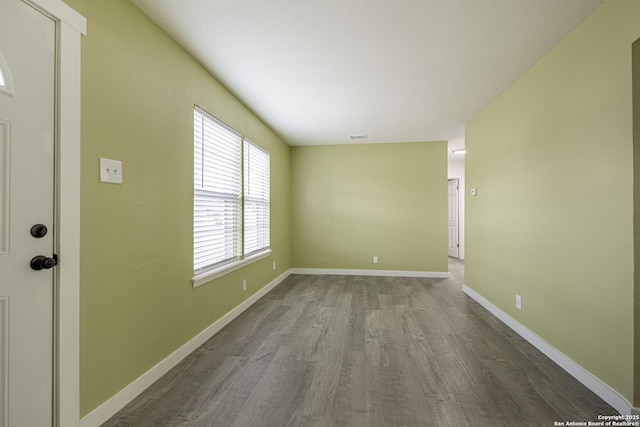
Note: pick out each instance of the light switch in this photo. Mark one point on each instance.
(110, 171)
(474, 191)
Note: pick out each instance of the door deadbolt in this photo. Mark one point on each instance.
(42, 262)
(39, 230)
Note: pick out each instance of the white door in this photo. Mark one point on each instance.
(453, 218)
(27, 102)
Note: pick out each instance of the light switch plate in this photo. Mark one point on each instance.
(110, 171)
(474, 191)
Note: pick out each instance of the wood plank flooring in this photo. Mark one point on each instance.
(364, 351)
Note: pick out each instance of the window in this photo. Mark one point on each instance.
(6, 83)
(217, 205)
(230, 214)
(256, 198)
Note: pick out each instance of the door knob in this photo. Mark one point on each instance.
(42, 262)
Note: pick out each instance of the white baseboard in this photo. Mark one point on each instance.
(109, 408)
(387, 273)
(594, 384)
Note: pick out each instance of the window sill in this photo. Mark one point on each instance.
(207, 276)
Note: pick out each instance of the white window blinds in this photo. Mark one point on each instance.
(230, 214)
(217, 210)
(256, 198)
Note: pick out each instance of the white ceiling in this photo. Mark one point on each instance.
(319, 71)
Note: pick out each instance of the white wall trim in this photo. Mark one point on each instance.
(109, 408)
(594, 384)
(68, 189)
(386, 273)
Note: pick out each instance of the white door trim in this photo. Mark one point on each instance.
(457, 212)
(70, 26)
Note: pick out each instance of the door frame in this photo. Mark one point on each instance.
(70, 26)
(457, 181)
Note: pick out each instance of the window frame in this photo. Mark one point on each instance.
(238, 258)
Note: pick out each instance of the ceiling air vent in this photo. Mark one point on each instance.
(358, 137)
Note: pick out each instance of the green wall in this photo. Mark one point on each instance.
(352, 202)
(137, 301)
(553, 219)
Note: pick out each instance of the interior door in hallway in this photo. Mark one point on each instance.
(27, 142)
(453, 218)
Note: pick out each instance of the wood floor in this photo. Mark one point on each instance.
(364, 351)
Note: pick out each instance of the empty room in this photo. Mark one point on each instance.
(306, 213)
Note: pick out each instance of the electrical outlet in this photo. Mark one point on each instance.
(375, 259)
(244, 284)
(518, 302)
(274, 265)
